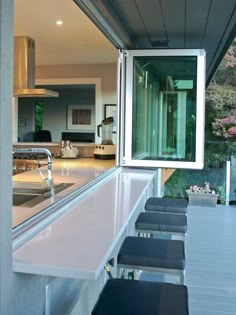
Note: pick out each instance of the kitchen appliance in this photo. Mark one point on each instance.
(24, 69)
(68, 151)
(106, 150)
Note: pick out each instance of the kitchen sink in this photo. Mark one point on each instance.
(19, 199)
(29, 185)
(37, 191)
(30, 197)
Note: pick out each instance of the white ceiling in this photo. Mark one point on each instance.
(77, 41)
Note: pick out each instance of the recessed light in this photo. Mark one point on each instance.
(59, 22)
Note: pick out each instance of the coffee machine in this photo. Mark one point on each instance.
(106, 150)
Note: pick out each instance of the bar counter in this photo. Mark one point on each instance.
(76, 171)
(78, 244)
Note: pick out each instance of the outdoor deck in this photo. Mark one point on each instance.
(210, 260)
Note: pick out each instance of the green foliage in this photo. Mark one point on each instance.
(181, 180)
(226, 72)
(220, 103)
(221, 99)
(38, 116)
(221, 191)
(214, 160)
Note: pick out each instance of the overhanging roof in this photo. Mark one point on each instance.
(174, 24)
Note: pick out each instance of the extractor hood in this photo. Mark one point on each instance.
(24, 69)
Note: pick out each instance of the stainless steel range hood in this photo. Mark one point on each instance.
(24, 69)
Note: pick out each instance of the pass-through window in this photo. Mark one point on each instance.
(165, 102)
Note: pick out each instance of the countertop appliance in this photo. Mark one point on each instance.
(106, 150)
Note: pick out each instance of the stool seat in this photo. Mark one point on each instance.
(132, 297)
(172, 205)
(152, 253)
(161, 222)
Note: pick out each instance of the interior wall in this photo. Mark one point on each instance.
(55, 109)
(26, 116)
(107, 73)
(54, 112)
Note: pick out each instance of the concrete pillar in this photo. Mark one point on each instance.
(6, 90)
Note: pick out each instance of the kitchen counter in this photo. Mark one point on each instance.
(86, 149)
(76, 171)
(78, 244)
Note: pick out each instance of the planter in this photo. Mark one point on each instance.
(202, 199)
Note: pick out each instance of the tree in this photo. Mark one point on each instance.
(221, 98)
(226, 72)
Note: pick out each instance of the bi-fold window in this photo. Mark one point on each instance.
(164, 108)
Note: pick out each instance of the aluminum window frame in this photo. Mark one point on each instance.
(200, 109)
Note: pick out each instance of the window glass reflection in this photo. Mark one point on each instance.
(164, 108)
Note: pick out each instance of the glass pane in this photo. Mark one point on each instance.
(164, 108)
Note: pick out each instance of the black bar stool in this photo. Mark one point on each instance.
(171, 205)
(131, 297)
(153, 255)
(161, 224)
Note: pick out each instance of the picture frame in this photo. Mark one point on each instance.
(110, 110)
(81, 117)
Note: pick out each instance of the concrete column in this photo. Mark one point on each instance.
(6, 90)
(14, 119)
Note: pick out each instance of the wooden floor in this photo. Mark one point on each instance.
(211, 260)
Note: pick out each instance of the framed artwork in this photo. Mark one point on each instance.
(110, 110)
(81, 117)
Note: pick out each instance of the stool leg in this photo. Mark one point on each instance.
(118, 272)
(181, 280)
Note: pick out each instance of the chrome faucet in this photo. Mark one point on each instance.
(30, 152)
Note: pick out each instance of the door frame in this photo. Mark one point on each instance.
(98, 93)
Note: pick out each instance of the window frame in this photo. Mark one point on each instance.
(200, 109)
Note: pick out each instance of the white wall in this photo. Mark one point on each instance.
(107, 73)
(54, 112)
(55, 109)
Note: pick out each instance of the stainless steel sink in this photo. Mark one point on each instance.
(20, 199)
(28, 185)
(30, 197)
(30, 191)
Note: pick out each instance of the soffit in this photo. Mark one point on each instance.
(142, 24)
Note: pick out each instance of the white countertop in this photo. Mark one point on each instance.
(76, 171)
(78, 244)
(52, 144)
(36, 144)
